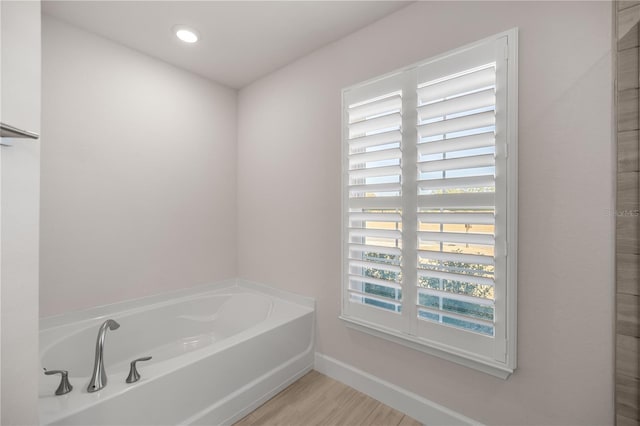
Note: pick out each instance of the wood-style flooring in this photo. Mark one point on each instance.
(316, 399)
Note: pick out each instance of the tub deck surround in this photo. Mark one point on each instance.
(218, 352)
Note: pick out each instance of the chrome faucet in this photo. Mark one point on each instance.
(99, 377)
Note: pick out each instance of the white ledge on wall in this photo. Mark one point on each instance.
(442, 351)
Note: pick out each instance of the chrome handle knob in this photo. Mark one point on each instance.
(65, 386)
(134, 376)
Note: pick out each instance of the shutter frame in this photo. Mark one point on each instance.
(495, 355)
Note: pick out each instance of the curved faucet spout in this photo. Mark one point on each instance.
(110, 324)
(99, 376)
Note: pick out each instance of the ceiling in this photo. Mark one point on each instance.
(240, 41)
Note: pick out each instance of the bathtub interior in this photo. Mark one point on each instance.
(162, 332)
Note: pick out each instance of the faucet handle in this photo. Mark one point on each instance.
(65, 386)
(134, 376)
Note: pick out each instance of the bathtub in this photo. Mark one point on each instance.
(218, 351)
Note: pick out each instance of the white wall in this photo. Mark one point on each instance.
(138, 174)
(289, 202)
(20, 181)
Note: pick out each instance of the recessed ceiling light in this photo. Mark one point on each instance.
(186, 34)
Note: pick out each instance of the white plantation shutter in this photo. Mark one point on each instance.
(373, 200)
(430, 205)
(456, 246)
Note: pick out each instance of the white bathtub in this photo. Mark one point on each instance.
(218, 352)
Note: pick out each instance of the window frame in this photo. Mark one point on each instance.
(500, 359)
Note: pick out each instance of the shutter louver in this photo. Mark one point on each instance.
(374, 202)
(456, 200)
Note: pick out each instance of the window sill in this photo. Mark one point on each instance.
(487, 366)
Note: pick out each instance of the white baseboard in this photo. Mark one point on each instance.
(421, 409)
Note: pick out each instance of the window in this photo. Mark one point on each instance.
(430, 205)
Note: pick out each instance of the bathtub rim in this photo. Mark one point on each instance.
(166, 298)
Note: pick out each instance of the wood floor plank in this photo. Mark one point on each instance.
(356, 407)
(317, 406)
(316, 399)
(297, 394)
(383, 415)
(246, 421)
(409, 421)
